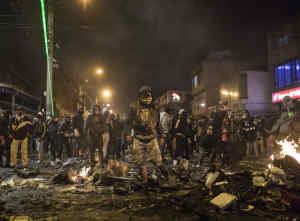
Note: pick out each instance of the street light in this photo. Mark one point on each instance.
(235, 94)
(225, 93)
(106, 93)
(99, 71)
(85, 3)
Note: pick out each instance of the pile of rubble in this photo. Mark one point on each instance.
(203, 190)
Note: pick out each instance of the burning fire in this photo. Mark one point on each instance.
(289, 148)
(83, 173)
(270, 165)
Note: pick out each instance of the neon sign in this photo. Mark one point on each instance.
(278, 96)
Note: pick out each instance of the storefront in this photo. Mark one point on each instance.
(277, 97)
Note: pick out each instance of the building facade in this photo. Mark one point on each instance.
(284, 60)
(225, 76)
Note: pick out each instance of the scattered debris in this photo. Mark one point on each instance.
(211, 178)
(259, 181)
(224, 200)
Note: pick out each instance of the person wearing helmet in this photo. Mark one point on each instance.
(143, 118)
(249, 133)
(94, 130)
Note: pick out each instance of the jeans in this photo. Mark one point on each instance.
(14, 152)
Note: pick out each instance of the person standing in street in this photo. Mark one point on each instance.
(143, 118)
(39, 134)
(67, 131)
(5, 138)
(54, 140)
(78, 122)
(94, 130)
(20, 130)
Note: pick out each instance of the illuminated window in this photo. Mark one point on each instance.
(287, 74)
(195, 81)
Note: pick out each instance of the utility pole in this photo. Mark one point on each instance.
(50, 21)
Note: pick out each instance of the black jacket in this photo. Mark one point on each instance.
(39, 128)
(116, 129)
(78, 123)
(181, 125)
(22, 128)
(52, 128)
(4, 127)
(94, 125)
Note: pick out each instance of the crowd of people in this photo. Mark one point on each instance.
(169, 135)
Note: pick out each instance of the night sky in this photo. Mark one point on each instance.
(157, 42)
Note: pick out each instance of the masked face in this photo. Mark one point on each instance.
(145, 98)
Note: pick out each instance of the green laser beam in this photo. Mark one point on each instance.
(47, 53)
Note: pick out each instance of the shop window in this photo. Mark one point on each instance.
(195, 81)
(287, 74)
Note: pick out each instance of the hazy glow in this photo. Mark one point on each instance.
(106, 94)
(289, 148)
(99, 71)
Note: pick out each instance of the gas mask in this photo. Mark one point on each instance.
(145, 98)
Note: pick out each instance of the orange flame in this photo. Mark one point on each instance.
(82, 173)
(289, 148)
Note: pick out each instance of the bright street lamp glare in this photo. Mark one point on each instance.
(225, 93)
(99, 71)
(106, 94)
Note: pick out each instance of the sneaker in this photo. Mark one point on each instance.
(38, 161)
(52, 163)
(57, 160)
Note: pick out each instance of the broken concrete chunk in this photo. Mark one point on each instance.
(20, 218)
(224, 200)
(247, 208)
(279, 172)
(259, 181)
(210, 179)
(221, 183)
